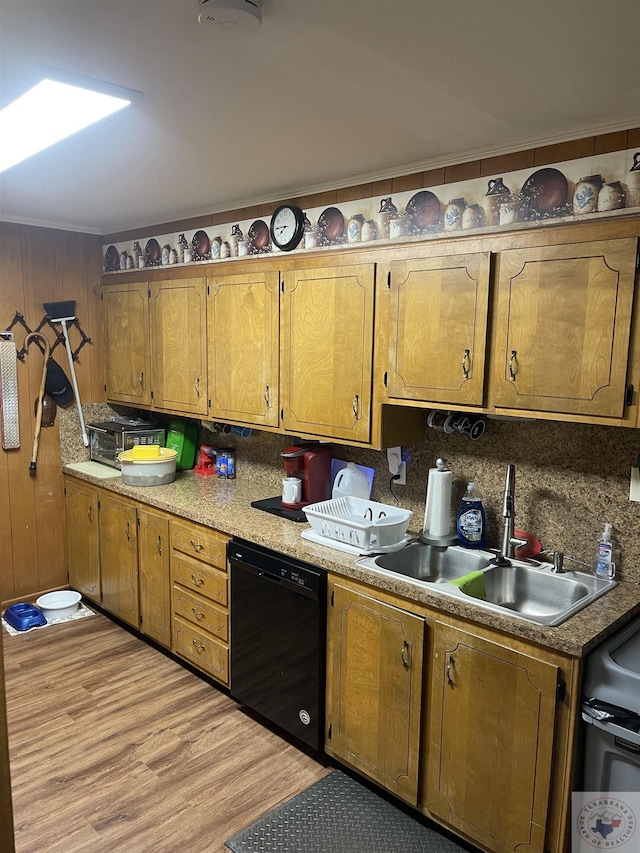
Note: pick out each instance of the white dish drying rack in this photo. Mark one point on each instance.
(366, 526)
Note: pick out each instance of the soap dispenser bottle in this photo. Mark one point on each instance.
(471, 521)
(604, 564)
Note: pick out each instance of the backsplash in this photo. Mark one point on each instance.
(570, 478)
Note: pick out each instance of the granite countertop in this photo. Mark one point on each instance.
(226, 506)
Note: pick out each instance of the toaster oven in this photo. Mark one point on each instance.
(108, 439)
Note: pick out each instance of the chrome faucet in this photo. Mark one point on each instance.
(509, 541)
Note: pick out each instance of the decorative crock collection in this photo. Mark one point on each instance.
(546, 194)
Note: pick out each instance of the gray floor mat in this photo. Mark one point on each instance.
(339, 815)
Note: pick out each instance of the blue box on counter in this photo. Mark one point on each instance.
(23, 616)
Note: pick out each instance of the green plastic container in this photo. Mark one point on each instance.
(183, 438)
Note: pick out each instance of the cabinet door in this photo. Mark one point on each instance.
(83, 553)
(438, 329)
(374, 671)
(563, 327)
(327, 352)
(126, 318)
(119, 558)
(243, 318)
(491, 741)
(179, 345)
(154, 575)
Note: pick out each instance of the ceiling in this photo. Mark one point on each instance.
(327, 93)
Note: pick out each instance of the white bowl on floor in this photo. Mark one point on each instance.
(59, 605)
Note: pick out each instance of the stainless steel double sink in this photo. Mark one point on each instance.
(529, 591)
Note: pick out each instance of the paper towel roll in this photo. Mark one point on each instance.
(437, 516)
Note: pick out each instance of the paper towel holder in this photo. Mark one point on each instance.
(425, 536)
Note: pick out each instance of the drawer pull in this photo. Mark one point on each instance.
(199, 646)
(197, 613)
(197, 546)
(197, 580)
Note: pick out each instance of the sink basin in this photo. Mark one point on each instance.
(525, 591)
(432, 564)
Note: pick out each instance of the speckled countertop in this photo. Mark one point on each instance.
(226, 506)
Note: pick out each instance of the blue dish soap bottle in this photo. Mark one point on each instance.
(471, 521)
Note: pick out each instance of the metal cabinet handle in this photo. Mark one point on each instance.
(513, 365)
(197, 613)
(197, 387)
(197, 581)
(450, 667)
(159, 545)
(405, 654)
(90, 513)
(142, 380)
(197, 546)
(267, 396)
(356, 406)
(127, 529)
(465, 364)
(199, 646)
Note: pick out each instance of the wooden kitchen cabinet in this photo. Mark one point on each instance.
(243, 318)
(154, 573)
(178, 334)
(83, 543)
(563, 328)
(491, 738)
(200, 597)
(438, 312)
(119, 557)
(327, 346)
(126, 324)
(374, 684)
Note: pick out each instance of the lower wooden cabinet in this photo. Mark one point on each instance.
(374, 686)
(491, 738)
(200, 597)
(83, 542)
(155, 589)
(118, 557)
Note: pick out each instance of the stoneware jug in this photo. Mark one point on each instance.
(585, 197)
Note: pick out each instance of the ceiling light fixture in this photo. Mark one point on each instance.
(58, 106)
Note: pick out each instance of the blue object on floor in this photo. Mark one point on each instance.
(23, 616)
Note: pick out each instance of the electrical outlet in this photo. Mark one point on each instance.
(397, 468)
(634, 487)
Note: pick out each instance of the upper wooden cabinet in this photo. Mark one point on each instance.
(327, 351)
(243, 318)
(179, 345)
(563, 326)
(127, 369)
(438, 329)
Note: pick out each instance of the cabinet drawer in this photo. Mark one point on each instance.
(201, 649)
(202, 542)
(200, 611)
(199, 577)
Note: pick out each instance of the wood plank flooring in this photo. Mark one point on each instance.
(116, 747)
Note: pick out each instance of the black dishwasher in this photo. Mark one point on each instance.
(278, 629)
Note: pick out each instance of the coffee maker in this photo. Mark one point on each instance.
(311, 464)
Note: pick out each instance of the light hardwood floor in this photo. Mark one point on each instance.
(116, 747)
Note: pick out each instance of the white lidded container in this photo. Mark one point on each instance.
(350, 482)
(148, 465)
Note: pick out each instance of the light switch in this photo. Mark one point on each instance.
(634, 488)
